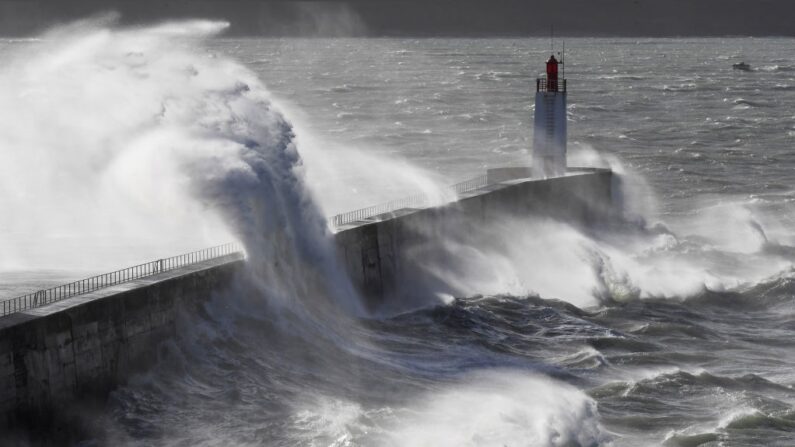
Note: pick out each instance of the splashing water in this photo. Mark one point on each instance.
(114, 128)
(152, 143)
(136, 143)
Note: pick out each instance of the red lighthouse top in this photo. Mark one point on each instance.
(553, 82)
(552, 74)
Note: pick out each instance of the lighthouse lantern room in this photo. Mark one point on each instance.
(549, 138)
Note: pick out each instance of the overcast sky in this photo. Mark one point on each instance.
(430, 17)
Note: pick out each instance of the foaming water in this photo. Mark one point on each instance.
(669, 324)
(725, 246)
(511, 409)
(98, 171)
(171, 139)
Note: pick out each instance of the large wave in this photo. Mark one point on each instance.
(132, 143)
(137, 143)
(635, 252)
(92, 170)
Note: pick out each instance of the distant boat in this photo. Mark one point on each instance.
(741, 66)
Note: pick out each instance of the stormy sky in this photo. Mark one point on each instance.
(429, 17)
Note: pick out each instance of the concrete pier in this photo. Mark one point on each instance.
(373, 250)
(86, 345)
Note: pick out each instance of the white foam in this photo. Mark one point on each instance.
(501, 408)
(133, 144)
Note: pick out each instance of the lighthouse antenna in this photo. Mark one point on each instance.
(551, 38)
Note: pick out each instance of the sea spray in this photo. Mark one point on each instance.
(627, 254)
(497, 408)
(262, 389)
(142, 137)
(91, 169)
(350, 175)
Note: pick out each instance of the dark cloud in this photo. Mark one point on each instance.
(430, 17)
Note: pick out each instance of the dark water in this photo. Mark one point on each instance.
(518, 371)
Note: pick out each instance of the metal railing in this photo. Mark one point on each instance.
(415, 201)
(47, 296)
(471, 184)
(544, 85)
(83, 286)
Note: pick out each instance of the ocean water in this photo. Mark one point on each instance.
(700, 353)
(671, 327)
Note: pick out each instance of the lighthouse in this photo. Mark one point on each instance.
(549, 138)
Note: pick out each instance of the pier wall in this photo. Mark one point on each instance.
(376, 253)
(87, 345)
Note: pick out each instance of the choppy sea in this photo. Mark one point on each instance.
(676, 328)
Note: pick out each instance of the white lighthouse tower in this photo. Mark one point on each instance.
(549, 140)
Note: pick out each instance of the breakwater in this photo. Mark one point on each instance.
(373, 250)
(83, 346)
